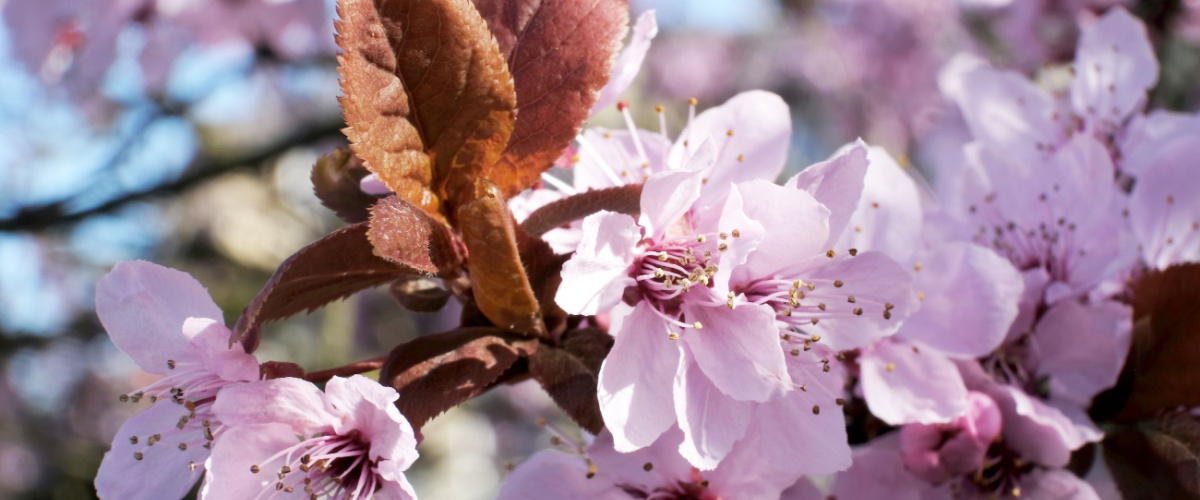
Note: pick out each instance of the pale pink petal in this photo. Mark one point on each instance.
(243, 446)
(748, 473)
(802, 490)
(738, 350)
(373, 186)
(904, 383)
(807, 418)
(1056, 484)
(801, 219)
(838, 184)
(369, 408)
(750, 132)
(1008, 112)
(290, 401)
(888, 214)
(163, 472)
(856, 292)
(666, 196)
(1036, 280)
(1151, 136)
(711, 421)
(1082, 348)
(210, 340)
(1164, 209)
(143, 307)
(667, 466)
(395, 485)
(554, 475)
(635, 383)
(1114, 68)
(877, 472)
(629, 63)
(609, 158)
(969, 298)
(750, 236)
(597, 274)
(1040, 432)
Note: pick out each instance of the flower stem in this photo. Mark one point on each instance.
(346, 370)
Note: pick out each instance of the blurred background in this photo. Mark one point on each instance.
(183, 131)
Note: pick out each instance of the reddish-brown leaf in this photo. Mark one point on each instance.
(590, 345)
(622, 199)
(1148, 465)
(331, 268)
(429, 103)
(436, 372)
(420, 294)
(1164, 362)
(560, 53)
(498, 279)
(335, 179)
(405, 234)
(570, 383)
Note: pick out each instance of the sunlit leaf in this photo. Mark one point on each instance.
(436, 372)
(429, 103)
(405, 234)
(498, 279)
(560, 53)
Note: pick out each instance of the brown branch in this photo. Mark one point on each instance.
(622, 199)
(347, 370)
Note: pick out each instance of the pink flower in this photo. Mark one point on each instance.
(967, 297)
(879, 471)
(286, 437)
(657, 471)
(1114, 68)
(677, 343)
(937, 452)
(167, 323)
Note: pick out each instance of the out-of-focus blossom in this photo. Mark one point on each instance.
(285, 437)
(166, 322)
(657, 471)
(74, 42)
(879, 471)
(937, 452)
(967, 297)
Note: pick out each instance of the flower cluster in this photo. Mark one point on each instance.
(731, 323)
(210, 411)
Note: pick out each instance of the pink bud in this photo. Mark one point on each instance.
(937, 452)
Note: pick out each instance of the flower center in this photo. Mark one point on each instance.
(323, 466)
(677, 268)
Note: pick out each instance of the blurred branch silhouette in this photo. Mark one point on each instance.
(202, 168)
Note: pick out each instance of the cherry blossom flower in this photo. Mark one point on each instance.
(967, 297)
(598, 471)
(285, 437)
(879, 471)
(166, 322)
(664, 278)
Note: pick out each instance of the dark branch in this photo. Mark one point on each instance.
(43, 217)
